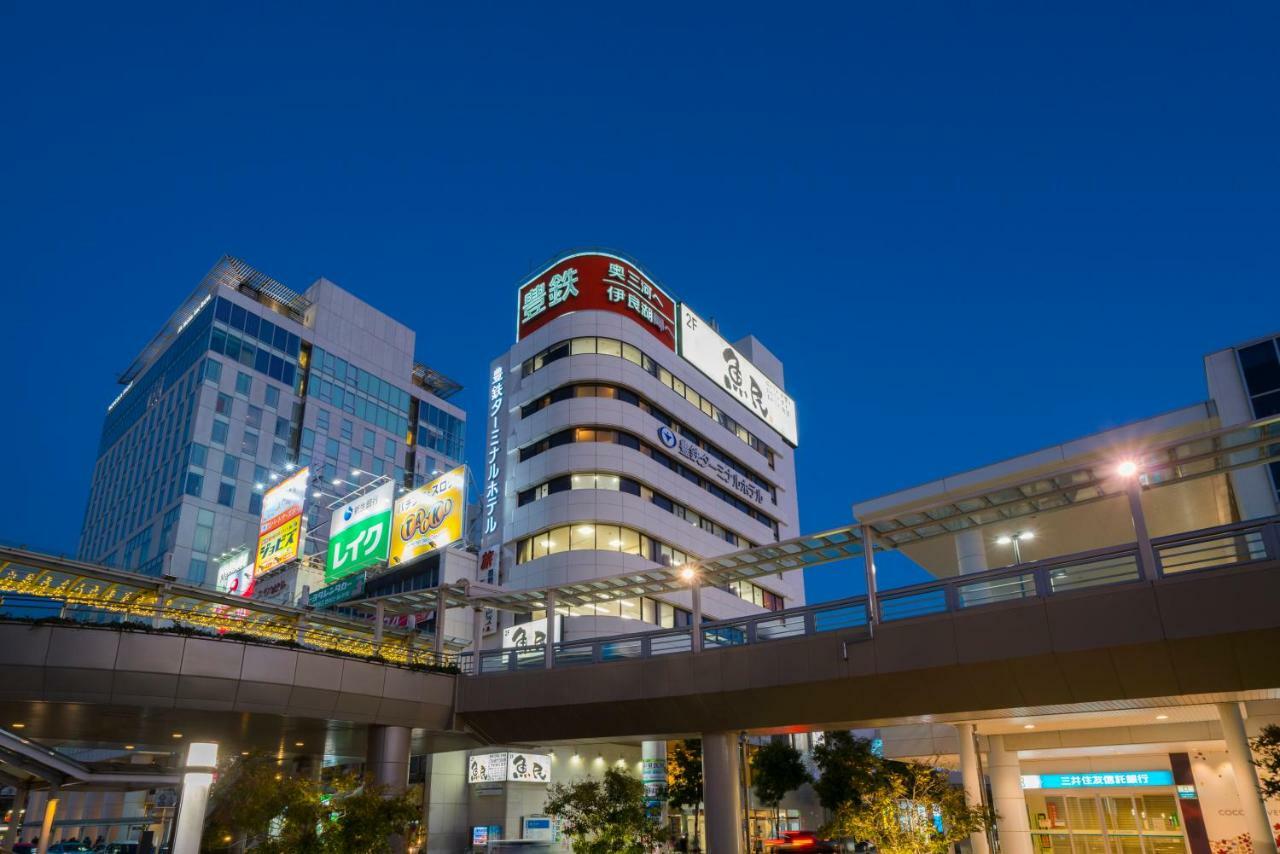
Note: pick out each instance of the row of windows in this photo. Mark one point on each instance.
(339, 370)
(258, 328)
(757, 595)
(1260, 364)
(629, 440)
(617, 483)
(626, 395)
(255, 356)
(599, 537)
(633, 354)
(190, 345)
(640, 608)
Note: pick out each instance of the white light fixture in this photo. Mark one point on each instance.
(586, 529)
(1015, 539)
(355, 472)
(315, 494)
(1028, 726)
(1162, 717)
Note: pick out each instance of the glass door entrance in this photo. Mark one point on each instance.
(1145, 823)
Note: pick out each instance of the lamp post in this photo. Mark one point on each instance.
(690, 575)
(1016, 539)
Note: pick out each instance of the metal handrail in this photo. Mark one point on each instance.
(1044, 575)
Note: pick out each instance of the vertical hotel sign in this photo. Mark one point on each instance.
(489, 568)
(359, 533)
(280, 527)
(595, 281)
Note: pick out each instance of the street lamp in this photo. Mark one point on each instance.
(1016, 539)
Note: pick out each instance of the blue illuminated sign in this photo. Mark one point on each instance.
(1097, 779)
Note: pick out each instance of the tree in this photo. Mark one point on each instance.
(604, 816)
(1267, 746)
(684, 781)
(777, 768)
(847, 767)
(258, 804)
(910, 809)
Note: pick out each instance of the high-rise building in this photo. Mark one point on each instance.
(622, 433)
(247, 382)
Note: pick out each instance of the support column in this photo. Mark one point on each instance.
(477, 630)
(441, 612)
(869, 567)
(1146, 554)
(387, 757)
(971, 774)
(19, 802)
(721, 771)
(1246, 773)
(202, 758)
(549, 651)
(695, 634)
(653, 774)
(1012, 822)
(46, 827)
(971, 551)
(379, 613)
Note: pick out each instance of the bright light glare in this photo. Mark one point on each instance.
(1128, 468)
(585, 529)
(1004, 541)
(688, 573)
(1027, 535)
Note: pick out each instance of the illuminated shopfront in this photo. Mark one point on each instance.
(1105, 812)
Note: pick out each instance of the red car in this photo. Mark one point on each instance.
(800, 840)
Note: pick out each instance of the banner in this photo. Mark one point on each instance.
(702, 347)
(235, 574)
(349, 587)
(280, 526)
(359, 533)
(430, 517)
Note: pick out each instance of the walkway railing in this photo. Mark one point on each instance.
(1196, 551)
(36, 587)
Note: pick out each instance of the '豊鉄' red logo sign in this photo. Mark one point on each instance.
(593, 281)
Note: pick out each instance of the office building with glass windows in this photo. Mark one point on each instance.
(624, 433)
(246, 382)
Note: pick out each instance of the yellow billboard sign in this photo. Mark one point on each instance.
(429, 518)
(278, 546)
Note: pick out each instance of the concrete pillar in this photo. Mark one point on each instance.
(1146, 554)
(1246, 773)
(379, 613)
(695, 633)
(477, 632)
(971, 551)
(721, 772)
(19, 801)
(441, 611)
(653, 774)
(46, 827)
(202, 758)
(1012, 822)
(971, 774)
(387, 757)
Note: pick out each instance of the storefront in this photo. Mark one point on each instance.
(1105, 812)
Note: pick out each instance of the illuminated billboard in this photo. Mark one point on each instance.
(359, 533)
(430, 517)
(280, 527)
(702, 347)
(596, 281)
(235, 574)
(509, 768)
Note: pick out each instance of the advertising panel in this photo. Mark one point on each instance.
(1097, 779)
(528, 768)
(532, 633)
(702, 347)
(280, 528)
(235, 574)
(359, 533)
(430, 517)
(596, 281)
(487, 768)
(349, 587)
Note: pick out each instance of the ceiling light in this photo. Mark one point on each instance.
(1162, 717)
(177, 735)
(128, 747)
(1027, 535)
(1028, 726)
(297, 744)
(1004, 540)
(586, 529)
(18, 725)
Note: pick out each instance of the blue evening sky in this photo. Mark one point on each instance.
(969, 229)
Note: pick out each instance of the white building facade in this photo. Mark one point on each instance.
(608, 452)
